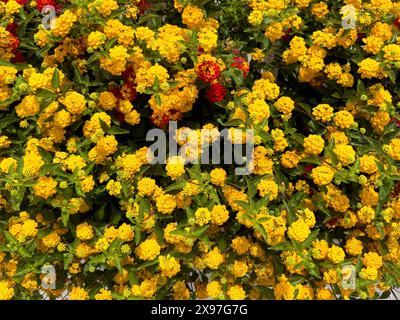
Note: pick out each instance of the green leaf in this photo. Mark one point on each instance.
(117, 263)
(24, 253)
(46, 94)
(148, 264)
(55, 80)
(178, 185)
(9, 237)
(117, 130)
(16, 198)
(200, 231)
(48, 168)
(138, 234)
(360, 87)
(65, 218)
(283, 246)
(46, 156)
(94, 57)
(313, 235)
(133, 279)
(68, 257)
(100, 213)
(384, 190)
(392, 75)
(103, 126)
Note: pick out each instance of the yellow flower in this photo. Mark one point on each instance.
(146, 186)
(114, 187)
(28, 107)
(218, 177)
(368, 164)
(169, 265)
(394, 149)
(202, 216)
(369, 68)
(214, 258)
(175, 167)
(74, 102)
(214, 289)
(320, 249)
(96, 39)
(239, 269)
(323, 112)
(322, 175)
(84, 231)
(45, 187)
(313, 144)
(107, 100)
(103, 294)
(236, 292)
(366, 215)
(369, 273)
(219, 215)
(299, 230)
(6, 290)
(345, 154)
(336, 254)
(268, 187)
(354, 247)
(319, 9)
(64, 23)
(51, 240)
(193, 17)
(78, 293)
(149, 249)
(372, 260)
(241, 245)
(344, 119)
(166, 203)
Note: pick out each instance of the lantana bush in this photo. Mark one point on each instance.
(86, 214)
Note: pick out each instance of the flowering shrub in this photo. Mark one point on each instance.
(84, 215)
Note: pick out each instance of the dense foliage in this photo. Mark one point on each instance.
(318, 218)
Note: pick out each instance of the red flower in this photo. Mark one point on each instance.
(396, 121)
(143, 5)
(332, 223)
(14, 41)
(120, 117)
(20, 2)
(165, 120)
(18, 57)
(115, 91)
(41, 3)
(129, 74)
(308, 167)
(360, 35)
(200, 51)
(128, 91)
(236, 51)
(286, 36)
(397, 23)
(216, 93)
(124, 92)
(208, 71)
(241, 64)
(12, 27)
